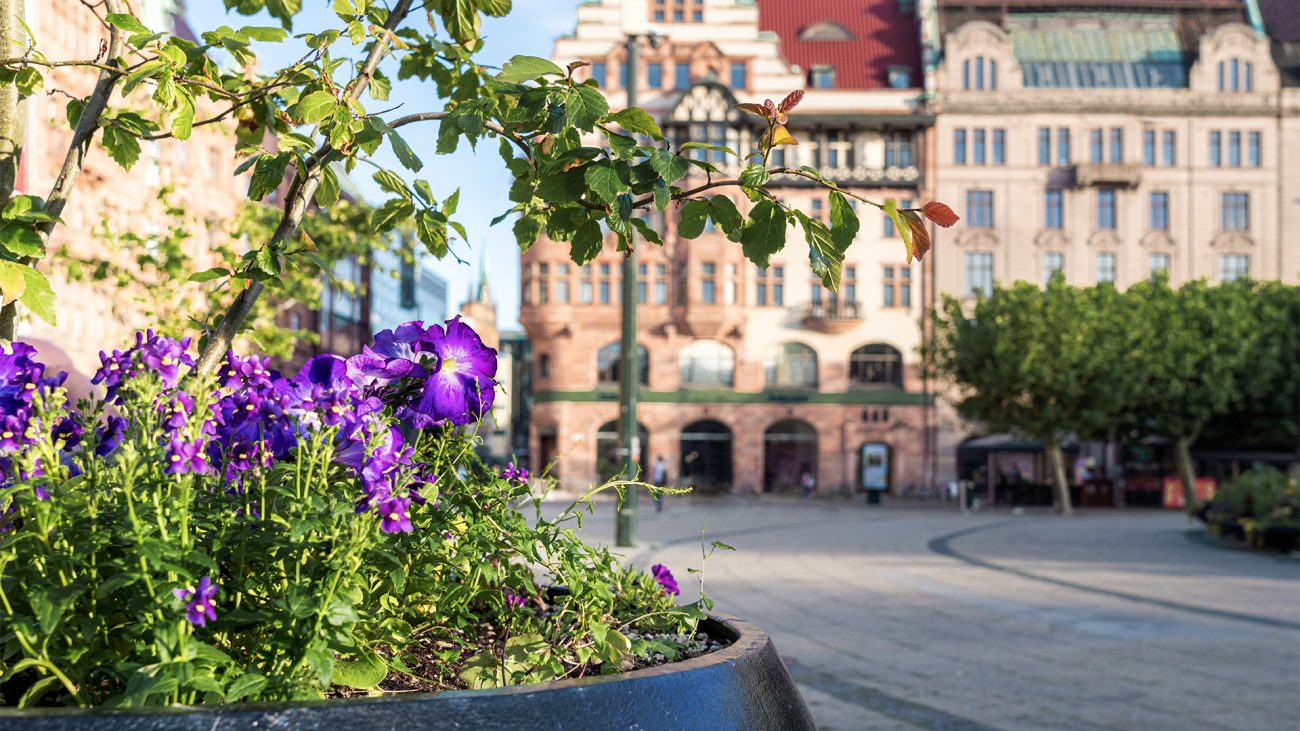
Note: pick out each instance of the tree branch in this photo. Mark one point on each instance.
(301, 193)
(487, 124)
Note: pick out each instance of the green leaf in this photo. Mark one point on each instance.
(365, 672)
(450, 203)
(724, 213)
(585, 106)
(904, 231)
(565, 187)
(844, 221)
(604, 180)
(38, 296)
(315, 107)
(122, 146)
(245, 686)
(526, 231)
(663, 195)
(29, 81)
(209, 274)
(527, 68)
(405, 154)
(461, 19)
(73, 112)
(754, 176)
(263, 33)
(12, 281)
(379, 87)
(646, 232)
(706, 146)
(146, 70)
(391, 183)
(827, 261)
(668, 165)
(126, 22)
(587, 243)
(495, 8)
(431, 229)
(391, 213)
(21, 240)
(764, 233)
(637, 120)
(268, 173)
(691, 223)
(327, 191)
(284, 10)
(183, 115)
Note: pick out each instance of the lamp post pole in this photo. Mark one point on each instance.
(629, 437)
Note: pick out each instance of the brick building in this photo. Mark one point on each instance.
(749, 377)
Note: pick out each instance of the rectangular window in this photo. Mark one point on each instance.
(682, 76)
(1116, 144)
(1234, 149)
(979, 207)
(642, 286)
(1236, 75)
(993, 74)
(832, 149)
(1095, 146)
(654, 75)
(1063, 146)
(1053, 217)
(1159, 217)
(661, 284)
(1158, 264)
(585, 292)
(604, 292)
(543, 284)
(1168, 148)
(1234, 212)
(1106, 208)
(1044, 146)
(977, 148)
(1053, 262)
(709, 287)
(849, 284)
(959, 146)
(738, 76)
(1149, 147)
(729, 285)
(823, 77)
(778, 286)
(1216, 148)
(979, 72)
(817, 212)
(965, 74)
(979, 273)
(1233, 267)
(760, 287)
(999, 147)
(1252, 149)
(562, 283)
(598, 73)
(905, 287)
(889, 287)
(898, 149)
(1105, 267)
(816, 295)
(683, 282)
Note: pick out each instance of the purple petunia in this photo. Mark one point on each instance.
(513, 600)
(665, 579)
(515, 473)
(463, 388)
(199, 601)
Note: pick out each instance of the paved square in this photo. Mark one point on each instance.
(918, 617)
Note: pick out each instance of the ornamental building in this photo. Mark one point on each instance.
(749, 377)
(1112, 140)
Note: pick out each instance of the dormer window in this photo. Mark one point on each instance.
(822, 77)
(900, 77)
(979, 73)
(826, 30)
(1236, 75)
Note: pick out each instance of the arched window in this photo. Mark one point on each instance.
(791, 365)
(609, 362)
(876, 365)
(707, 363)
(825, 30)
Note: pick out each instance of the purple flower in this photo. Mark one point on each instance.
(513, 601)
(178, 411)
(15, 433)
(518, 474)
(665, 579)
(165, 356)
(186, 457)
(370, 369)
(462, 389)
(108, 436)
(199, 602)
(246, 371)
(395, 515)
(68, 429)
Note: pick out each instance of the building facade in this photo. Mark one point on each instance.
(749, 377)
(1109, 141)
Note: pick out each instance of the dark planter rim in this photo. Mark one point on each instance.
(748, 642)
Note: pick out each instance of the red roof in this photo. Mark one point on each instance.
(881, 37)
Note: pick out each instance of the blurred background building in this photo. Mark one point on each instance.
(749, 377)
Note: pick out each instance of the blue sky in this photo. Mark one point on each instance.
(531, 29)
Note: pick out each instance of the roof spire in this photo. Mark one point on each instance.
(483, 295)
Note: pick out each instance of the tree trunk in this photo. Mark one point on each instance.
(1186, 471)
(1056, 466)
(13, 112)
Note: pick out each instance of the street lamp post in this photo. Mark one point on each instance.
(629, 438)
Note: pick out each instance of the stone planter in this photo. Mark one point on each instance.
(743, 686)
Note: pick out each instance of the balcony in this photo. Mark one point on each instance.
(1107, 173)
(831, 317)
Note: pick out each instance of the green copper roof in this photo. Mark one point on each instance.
(1098, 50)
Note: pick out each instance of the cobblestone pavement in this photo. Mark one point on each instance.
(896, 617)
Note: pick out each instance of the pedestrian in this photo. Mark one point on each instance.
(807, 481)
(659, 478)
